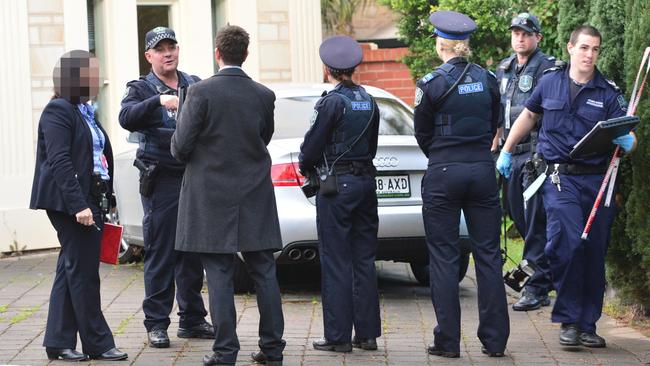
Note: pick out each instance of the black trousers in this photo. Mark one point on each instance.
(75, 305)
(446, 189)
(347, 225)
(220, 269)
(163, 265)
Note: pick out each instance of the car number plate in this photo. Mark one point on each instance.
(393, 186)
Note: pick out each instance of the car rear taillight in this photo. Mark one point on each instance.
(285, 175)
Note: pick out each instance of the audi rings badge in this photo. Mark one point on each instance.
(385, 161)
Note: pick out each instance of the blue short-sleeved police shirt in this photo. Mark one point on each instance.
(564, 122)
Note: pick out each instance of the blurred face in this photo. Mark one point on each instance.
(164, 57)
(584, 53)
(76, 77)
(524, 43)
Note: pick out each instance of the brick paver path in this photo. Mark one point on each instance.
(407, 322)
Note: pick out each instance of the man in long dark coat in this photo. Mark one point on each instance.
(227, 203)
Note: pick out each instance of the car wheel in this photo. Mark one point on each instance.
(421, 270)
(129, 253)
(242, 280)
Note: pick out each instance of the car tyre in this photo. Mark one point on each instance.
(421, 270)
(242, 281)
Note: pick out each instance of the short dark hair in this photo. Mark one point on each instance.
(232, 42)
(584, 29)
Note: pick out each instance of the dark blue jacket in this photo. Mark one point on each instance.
(565, 123)
(516, 85)
(141, 112)
(64, 159)
(332, 117)
(476, 98)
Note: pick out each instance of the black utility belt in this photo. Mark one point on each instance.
(522, 148)
(571, 169)
(355, 168)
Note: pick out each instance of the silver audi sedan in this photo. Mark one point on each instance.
(400, 165)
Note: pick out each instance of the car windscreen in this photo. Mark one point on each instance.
(292, 116)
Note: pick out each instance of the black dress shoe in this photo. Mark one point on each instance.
(368, 344)
(569, 335)
(65, 354)
(435, 351)
(112, 354)
(325, 345)
(592, 340)
(214, 360)
(491, 354)
(158, 338)
(261, 358)
(529, 301)
(204, 330)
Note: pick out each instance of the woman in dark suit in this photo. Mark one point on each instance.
(73, 183)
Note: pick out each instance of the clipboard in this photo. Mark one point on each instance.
(110, 245)
(598, 141)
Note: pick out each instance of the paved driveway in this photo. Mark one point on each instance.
(407, 321)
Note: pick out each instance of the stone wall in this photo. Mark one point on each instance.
(274, 41)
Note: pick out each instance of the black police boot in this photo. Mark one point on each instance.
(204, 330)
(592, 340)
(261, 358)
(433, 350)
(158, 338)
(214, 360)
(325, 345)
(569, 335)
(368, 344)
(112, 354)
(491, 354)
(65, 354)
(530, 301)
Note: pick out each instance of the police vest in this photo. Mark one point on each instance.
(356, 117)
(157, 140)
(516, 88)
(458, 115)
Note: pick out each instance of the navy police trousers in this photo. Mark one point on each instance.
(347, 234)
(446, 189)
(531, 224)
(163, 264)
(577, 266)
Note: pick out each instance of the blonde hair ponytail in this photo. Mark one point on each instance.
(458, 47)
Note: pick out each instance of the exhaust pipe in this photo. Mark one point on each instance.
(309, 254)
(294, 254)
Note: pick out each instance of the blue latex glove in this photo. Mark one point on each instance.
(504, 165)
(626, 142)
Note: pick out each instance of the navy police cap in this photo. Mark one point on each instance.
(527, 22)
(154, 36)
(451, 25)
(340, 53)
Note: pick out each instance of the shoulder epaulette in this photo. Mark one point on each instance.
(428, 77)
(556, 67)
(505, 64)
(550, 58)
(613, 84)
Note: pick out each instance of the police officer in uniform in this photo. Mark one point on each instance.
(456, 116)
(518, 75)
(341, 143)
(570, 101)
(149, 108)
